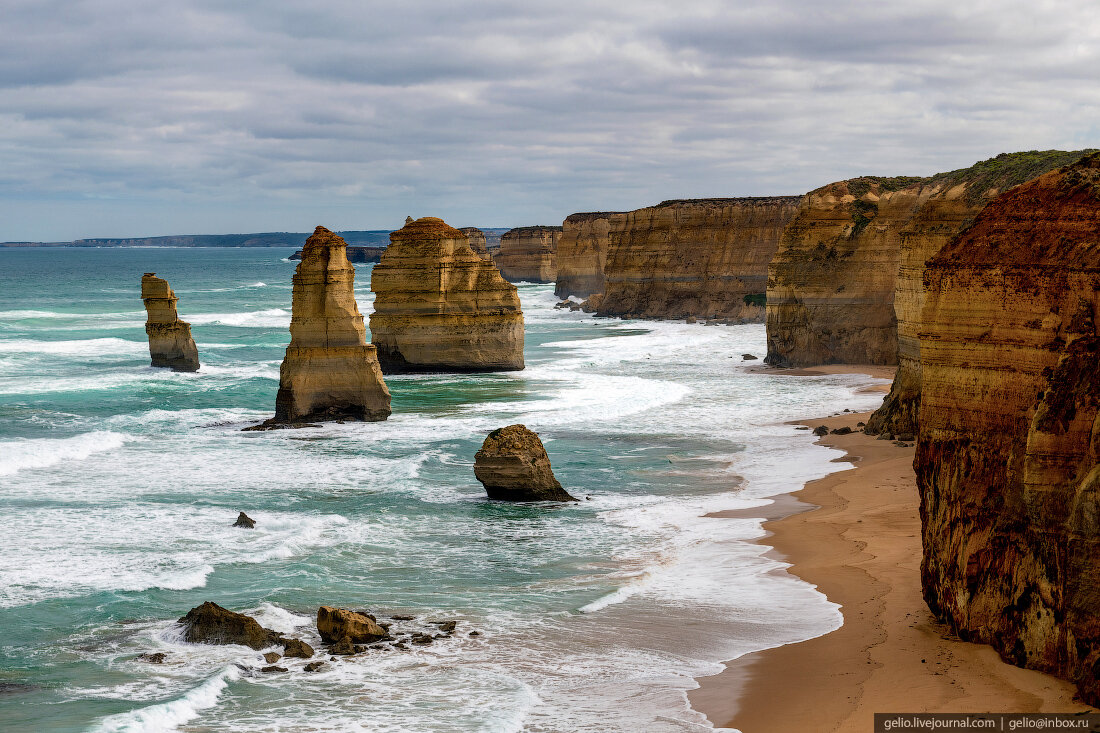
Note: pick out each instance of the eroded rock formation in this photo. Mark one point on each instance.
(330, 372)
(512, 465)
(700, 258)
(834, 291)
(212, 624)
(477, 241)
(527, 254)
(956, 199)
(170, 342)
(581, 254)
(1008, 454)
(337, 624)
(439, 307)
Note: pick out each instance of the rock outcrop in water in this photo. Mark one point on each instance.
(212, 624)
(956, 199)
(330, 372)
(527, 254)
(581, 254)
(834, 290)
(700, 258)
(1008, 455)
(337, 624)
(439, 307)
(512, 465)
(477, 240)
(170, 342)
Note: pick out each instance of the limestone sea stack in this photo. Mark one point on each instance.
(512, 465)
(170, 342)
(477, 240)
(439, 307)
(527, 254)
(834, 291)
(1008, 453)
(581, 253)
(699, 258)
(330, 372)
(958, 197)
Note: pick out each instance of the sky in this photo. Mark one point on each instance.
(136, 118)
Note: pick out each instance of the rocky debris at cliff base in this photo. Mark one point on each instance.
(243, 520)
(151, 657)
(273, 669)
(821, 430)
(512, 465)
(845, 430)
(313, 666)
(297, 649)
(337, 625)
(212, 624)
(749, 357)
(272, 657)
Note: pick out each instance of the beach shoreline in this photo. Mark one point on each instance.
(855, 535)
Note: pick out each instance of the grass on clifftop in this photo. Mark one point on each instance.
(1007, 170)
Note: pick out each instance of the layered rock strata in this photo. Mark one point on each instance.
(581, 254)
(955, 200)
(1008, 454)
(361, 255)
(527, 254)
(512, 465)
(170, 342)
(477, 240)
(439, 307)
(699, 258)
(330, 372)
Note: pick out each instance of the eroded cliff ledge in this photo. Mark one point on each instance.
(581, 254)
(440, 307)
(170, 342)
(330, 372)
(702, 258)
(1008, 455)
(527, 254)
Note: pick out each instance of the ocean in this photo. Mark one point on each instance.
(119, 483)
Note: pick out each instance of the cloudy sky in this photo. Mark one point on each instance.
(136, 118)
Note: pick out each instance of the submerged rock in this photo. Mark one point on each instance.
(152, 657)
(439, 307)
(243, 520)
(296, 648)
(272, 657)
(336, 625)
(330, 372)
(170, 342)
(512, 465)
(212, 624)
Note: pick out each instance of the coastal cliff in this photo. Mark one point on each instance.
(702, 258)
(170, 342)
(361, 255)
(1008, 454)
(581, 253)
(440, 307)
(527, 254)
(477, 240)
(329, 372)
(957, 197)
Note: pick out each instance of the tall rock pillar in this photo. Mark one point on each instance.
(170, 342)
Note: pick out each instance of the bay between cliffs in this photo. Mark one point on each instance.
(118, 484)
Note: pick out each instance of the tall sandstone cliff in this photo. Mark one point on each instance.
(1008, 454)
(702, 258)
(440, 307)
(329, 372)
(581, 254)
(477, 240)
(170, 342)
(527, 254)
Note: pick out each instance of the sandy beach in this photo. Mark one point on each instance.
(856, 536)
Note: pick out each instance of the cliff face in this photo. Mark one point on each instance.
(706, 258)
(170, 342)
(955, 200)
(581, 253)
(527, 254)
(330, 372)
(354, 254)
(439, 307)
(1008, 455)
(477, 241)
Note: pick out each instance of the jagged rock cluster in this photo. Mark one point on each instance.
(439, 307)
(527, 254)
(512, 465)
(478, 241)
(581, 253)
(329, 372)
(170, 341)
(1008, 455)
(700, 258)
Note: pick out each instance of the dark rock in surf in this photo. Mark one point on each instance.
(512, 465)
(212, 624)
(243, 520)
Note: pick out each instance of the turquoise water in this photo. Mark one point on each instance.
(118, 483)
